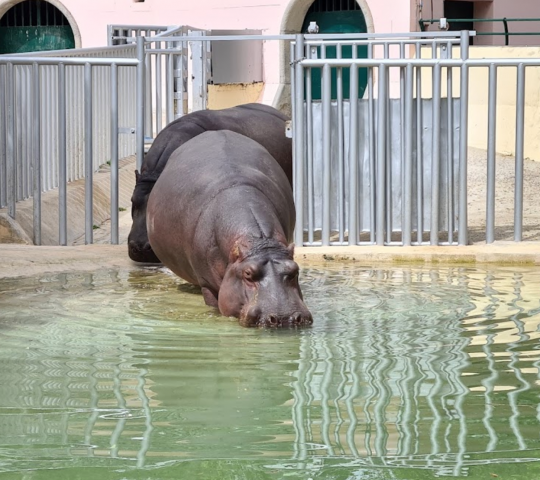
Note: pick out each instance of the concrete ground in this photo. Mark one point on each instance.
(25, 260)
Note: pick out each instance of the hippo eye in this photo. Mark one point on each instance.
(248, 275)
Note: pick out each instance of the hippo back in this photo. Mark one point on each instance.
(215, 188)
(262, 123)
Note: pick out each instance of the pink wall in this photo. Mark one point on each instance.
(92, 17)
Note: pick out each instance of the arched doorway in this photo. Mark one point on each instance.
(292, 22)
(34, 25)
(338, 16)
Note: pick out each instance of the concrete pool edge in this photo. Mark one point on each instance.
(27, 260)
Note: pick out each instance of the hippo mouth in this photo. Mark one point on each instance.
(142, 254)
(296, 320)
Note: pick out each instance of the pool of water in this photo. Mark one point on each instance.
(407, 373)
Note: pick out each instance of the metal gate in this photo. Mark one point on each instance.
(387, 169)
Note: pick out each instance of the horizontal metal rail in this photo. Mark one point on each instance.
(421, 62)
(504, 21)
(320, 36)
(19, 60)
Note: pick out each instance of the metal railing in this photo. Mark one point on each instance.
(386, 167)
(507, 34)
(355, 185)
(62, 120)
(394, 172)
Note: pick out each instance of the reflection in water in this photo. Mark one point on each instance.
(404, 368)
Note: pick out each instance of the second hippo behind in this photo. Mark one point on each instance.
(222, 216)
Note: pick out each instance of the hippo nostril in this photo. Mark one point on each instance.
(273, 321)
(295, 318)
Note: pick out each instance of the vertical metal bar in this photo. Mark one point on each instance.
(408, 152)
(491, 167)
(170, 84)
(381, 155)
(463, 140)
(402, 133)
(310, 173)
(158, 88)
(520, 137)
(435, 155)
(36, 164)
(141, 75)
(326, 105)
(299, 140)
(114, 154)
(419, 159)
(3, 146)
(88, 155)
(148, 97)
(62, 156)
(10, 142)
(340, 139)
(388, 165)
(372, 150)
(353, 156)
(450, 150)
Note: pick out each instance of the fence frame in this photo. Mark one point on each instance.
(175, 40)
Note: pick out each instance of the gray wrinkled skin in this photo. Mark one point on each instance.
(262, 123)
(222, 216)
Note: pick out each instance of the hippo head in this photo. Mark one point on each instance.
(260, 287)
(139, 248)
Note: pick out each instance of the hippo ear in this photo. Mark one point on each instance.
(290, 248)
(137, 175)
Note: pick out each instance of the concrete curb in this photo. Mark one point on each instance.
(28, 260)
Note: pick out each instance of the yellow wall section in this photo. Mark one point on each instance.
(506, 99)
(230, 95)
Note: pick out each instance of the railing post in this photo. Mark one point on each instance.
(88, 156)
(297, 89)
(381, 155)
(141, 74)
(36, 164)
(62, 156)
(11, 171)
(492, 136)
(114, 155)
(463, 139)
(520, 137)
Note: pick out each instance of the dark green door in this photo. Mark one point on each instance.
(337, 16)
(34, 25)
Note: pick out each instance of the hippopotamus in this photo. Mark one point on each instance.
(222, 216)
(262, 123)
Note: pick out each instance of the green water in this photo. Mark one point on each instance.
(407, 373)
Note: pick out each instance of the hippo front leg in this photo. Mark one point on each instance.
(209, 297)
